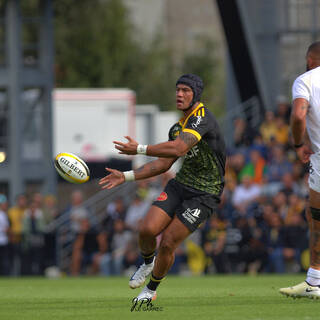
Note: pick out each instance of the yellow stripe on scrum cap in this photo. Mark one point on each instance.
(195, 133)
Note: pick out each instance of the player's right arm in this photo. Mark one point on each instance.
(298, 119)
(301, 93)
(148, 170)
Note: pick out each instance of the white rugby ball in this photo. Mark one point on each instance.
(71, 168)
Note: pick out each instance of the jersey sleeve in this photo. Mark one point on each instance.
(198, 124)
(174, 131)
(301, 89)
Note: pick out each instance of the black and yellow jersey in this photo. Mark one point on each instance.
(203, 166)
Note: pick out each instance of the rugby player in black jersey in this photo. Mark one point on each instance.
(188, 199)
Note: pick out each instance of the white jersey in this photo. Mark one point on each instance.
(4, 225)
(307, 86)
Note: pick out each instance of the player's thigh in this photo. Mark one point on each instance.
(175, 233)
(154, 222)
(162, 211)
(195, 211)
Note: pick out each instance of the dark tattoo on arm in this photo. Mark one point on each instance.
(140, 169)
(304, 107)
(150, 167)
(188, 138)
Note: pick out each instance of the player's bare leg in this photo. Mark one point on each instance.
(155, 221)
(311, 287)
(172, 237)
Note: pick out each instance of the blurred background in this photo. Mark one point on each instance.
(75, 75)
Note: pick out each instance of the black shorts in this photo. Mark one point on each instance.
(191, 206)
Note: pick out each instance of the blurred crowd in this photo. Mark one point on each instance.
(26, 241)
(260, 225)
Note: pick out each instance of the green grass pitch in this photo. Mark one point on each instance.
(211, 297)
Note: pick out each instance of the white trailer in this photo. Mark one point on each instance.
(86, 121)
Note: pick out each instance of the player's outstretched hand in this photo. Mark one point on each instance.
(112, 180)
(304, 153)
(129, 148)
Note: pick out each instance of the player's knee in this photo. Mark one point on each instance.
(167, 245)
(315, 213)
(146, 231)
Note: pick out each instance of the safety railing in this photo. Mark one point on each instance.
(96, 206)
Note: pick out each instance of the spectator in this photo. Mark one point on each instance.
(88, 247)
(115, 210)
(37, 200)
(111, 263)
(288, 185)
(33, 229)
(213, 242)
(16, 214)
(136, 211)
(132, 257)
(77, 212)
(259, 145)
(4, 241)
(253, 251)
(50, 210)
(234, 165)
(244, 194)
(298, 171)
(282, 131)
(275, 244)
(230, 177)
(296, 206)
(50, 213)
(225, 208)
(280, 202)
(294, 241)
(267, 210)
(268, 128)
(278, 166)
(283, 109)
(255, 168)
(243, 133)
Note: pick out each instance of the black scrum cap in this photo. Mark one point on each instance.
(195, 83)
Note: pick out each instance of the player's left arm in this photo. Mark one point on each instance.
(176, 148)
(192, 133)
(170, 149)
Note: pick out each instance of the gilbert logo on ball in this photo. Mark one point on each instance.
(71, 168)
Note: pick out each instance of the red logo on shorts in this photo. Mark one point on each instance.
(162, 197)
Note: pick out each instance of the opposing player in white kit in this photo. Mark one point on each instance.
(305, 126)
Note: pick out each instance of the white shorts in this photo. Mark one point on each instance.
(314, 172)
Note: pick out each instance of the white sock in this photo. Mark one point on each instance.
(313, 277)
